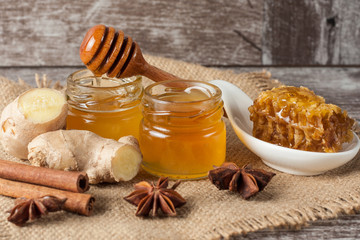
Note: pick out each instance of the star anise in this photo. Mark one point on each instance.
(149, 197)
(31, 209)
(245, 180)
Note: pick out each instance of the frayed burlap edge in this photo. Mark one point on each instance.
(43, 82)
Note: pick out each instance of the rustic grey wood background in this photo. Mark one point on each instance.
(212, 33)
(314, 43)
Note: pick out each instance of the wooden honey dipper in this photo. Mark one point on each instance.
(104, 50)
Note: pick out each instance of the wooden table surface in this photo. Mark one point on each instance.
(314, 43)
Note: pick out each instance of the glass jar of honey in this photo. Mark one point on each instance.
(182, 134)
(109, 107)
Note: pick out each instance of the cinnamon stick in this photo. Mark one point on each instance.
(76, 202)
(66, 180)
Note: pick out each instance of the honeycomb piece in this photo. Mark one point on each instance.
(296, 117)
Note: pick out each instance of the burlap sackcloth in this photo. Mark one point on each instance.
(209, 213)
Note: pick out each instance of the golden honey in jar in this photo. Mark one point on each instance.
(182, 134)
(109, 107)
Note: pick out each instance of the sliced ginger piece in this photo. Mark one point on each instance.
(124, 163)
(34, 112)
(41, 105)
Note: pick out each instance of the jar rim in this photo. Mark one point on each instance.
(215, 91)
(76, 80)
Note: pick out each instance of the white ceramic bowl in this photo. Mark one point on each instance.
(287, 160)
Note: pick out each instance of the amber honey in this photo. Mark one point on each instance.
(182, 134)
(109, 107)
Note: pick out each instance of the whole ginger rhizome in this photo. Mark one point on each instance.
(32, 124)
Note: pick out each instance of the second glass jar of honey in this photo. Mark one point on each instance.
(182, 134)
(109, 107)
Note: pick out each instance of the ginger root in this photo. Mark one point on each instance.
(34, 112)
(104, 160)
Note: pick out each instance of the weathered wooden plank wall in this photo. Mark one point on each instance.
(311, 32)
(212, 33)
(49, 32)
